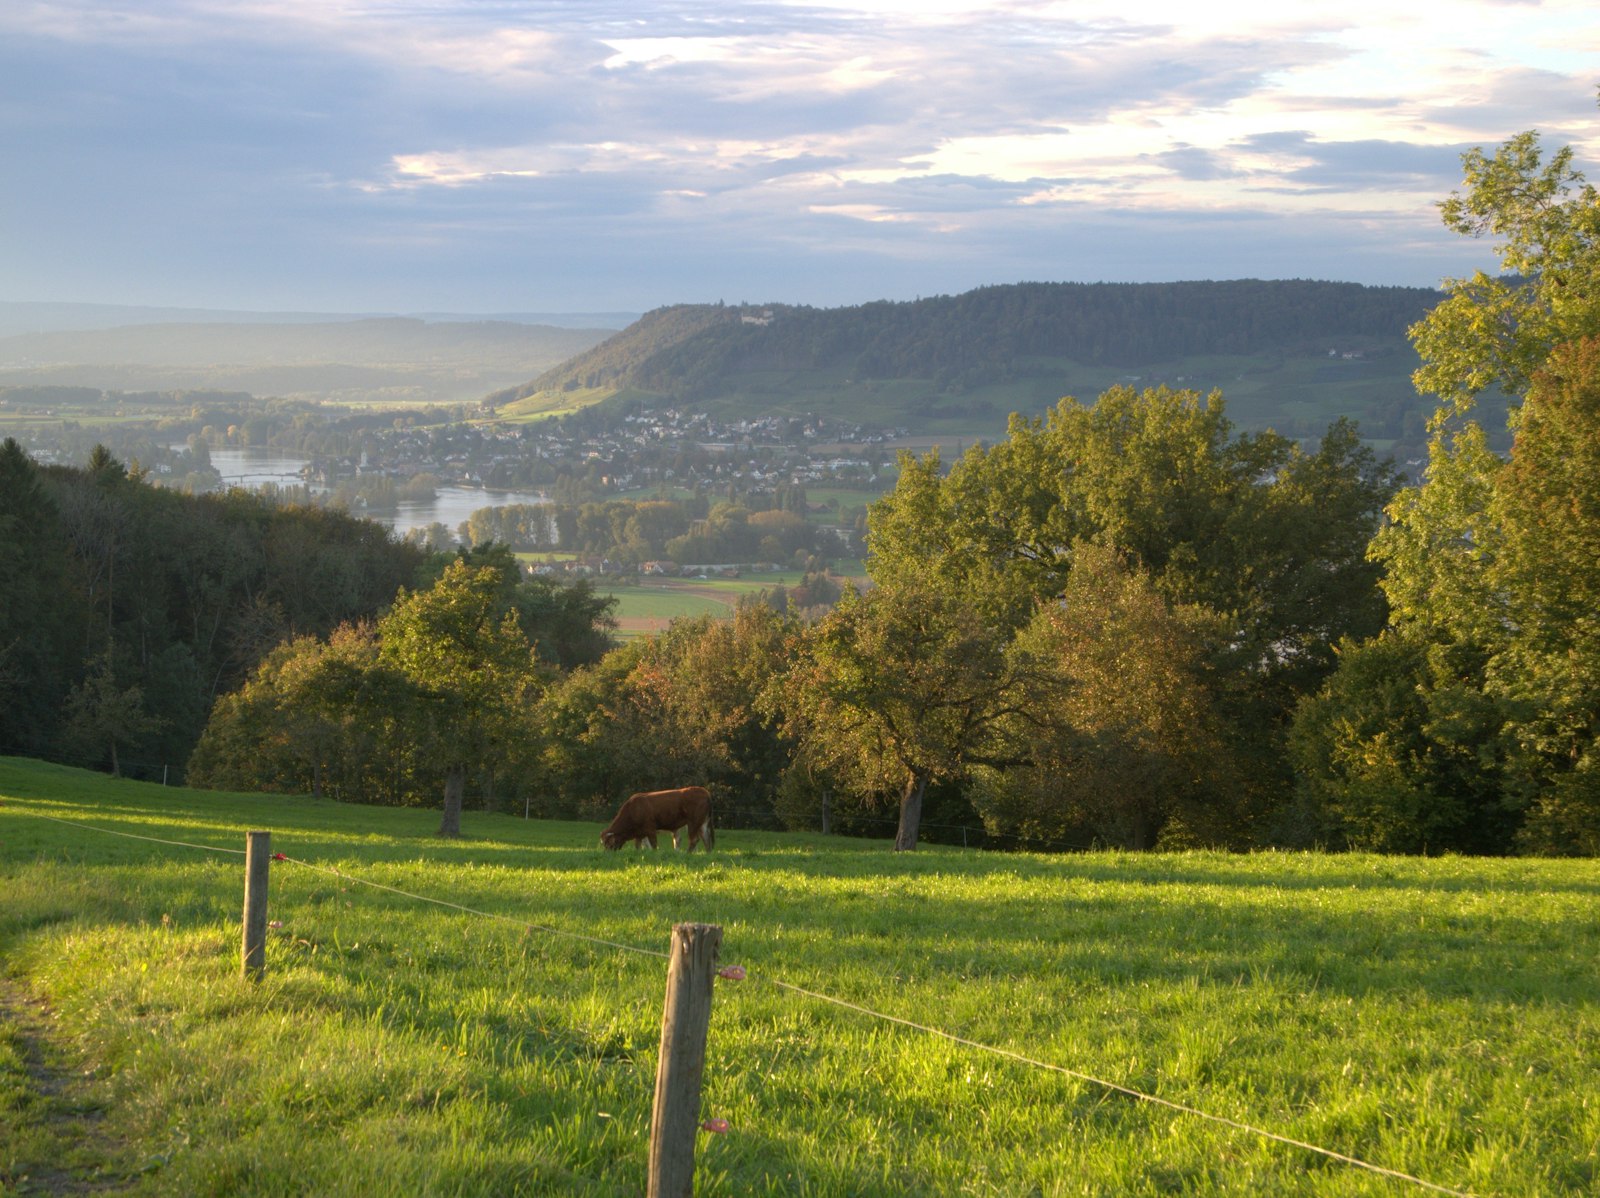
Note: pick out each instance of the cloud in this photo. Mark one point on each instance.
(427, 152)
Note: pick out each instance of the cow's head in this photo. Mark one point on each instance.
(610, 840)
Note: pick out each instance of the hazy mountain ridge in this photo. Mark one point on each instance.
(385, 340)
(381, 359)
(21, 316)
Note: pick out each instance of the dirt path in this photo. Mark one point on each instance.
(52, 1134)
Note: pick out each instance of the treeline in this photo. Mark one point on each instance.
(1125, 625)
(126, 609)
(445, 696)
(988, 335)
(684, 531)
(1094, 631)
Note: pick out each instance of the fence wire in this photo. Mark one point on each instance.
(818, 996)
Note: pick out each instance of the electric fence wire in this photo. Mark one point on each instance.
(818, 996)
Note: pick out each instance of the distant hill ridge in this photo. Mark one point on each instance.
(19, 316)
(371, 360)
(362, 341)
(990, 335)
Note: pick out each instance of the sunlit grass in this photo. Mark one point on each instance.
(1435, 1016)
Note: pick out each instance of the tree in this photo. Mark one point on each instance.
(681, 707)
(326, 717)
(1439, 548)
(1499, 331)
(473, 669)
(897, 688)
(1133, 747)
(101, 716)
(1547, 667)
(1250, 527)
(1401, 751)
(602, 736)
(37, 612)
(1490, 669)
(721, 670)
(570, 624)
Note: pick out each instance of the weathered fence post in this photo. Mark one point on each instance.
(676, 1117)
(257, 859)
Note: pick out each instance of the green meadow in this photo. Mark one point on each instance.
(667, 601)
(648, 606)
(1436, 1017)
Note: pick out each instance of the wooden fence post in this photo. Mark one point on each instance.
(676, 1117)
(257, 859)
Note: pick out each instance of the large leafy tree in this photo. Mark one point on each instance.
(1130, 749)
(1269, 537)
(1496, 331)
(1402, 751)
(474, 671)
(1440, 549)
(321, 716)
(1547, 667)
(900, 687)
(1248, 524)
(1488, 563)
(569, 623)
(682, 707)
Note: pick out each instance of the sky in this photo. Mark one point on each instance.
(481, 156)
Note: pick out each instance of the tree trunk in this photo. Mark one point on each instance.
(910, 813)
(455, 785)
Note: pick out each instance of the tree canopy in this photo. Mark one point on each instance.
(1473, 722)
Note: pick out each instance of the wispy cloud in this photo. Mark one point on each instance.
(445, 154)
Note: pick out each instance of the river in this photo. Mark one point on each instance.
(451, 504)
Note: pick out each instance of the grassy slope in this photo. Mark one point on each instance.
(1438, 1017)
(1299, 395)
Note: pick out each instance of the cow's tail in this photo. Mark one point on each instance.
(708, 833)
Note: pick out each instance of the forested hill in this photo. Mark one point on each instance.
(991, 335)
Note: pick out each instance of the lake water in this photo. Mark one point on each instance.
(451, 505)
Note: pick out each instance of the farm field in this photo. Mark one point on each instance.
(1436, 1017)
(647, 608)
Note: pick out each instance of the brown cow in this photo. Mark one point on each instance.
(642, 815)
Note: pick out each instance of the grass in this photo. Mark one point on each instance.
(665, 602)
(650, 606)
(1440, 1017)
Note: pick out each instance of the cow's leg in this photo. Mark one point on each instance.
(651, 837)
